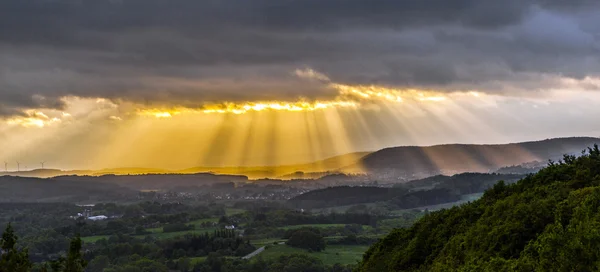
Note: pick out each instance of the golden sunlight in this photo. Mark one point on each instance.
(33, 118)
(348, 97)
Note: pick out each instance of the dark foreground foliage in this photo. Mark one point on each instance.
(549, 221)
(15, 259)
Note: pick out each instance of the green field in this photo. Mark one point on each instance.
(314, 226)
(159, 234)
(93, 239)
(331, 255)
(195, 260)
(232, 211)
(365, 228)
(206, 220)
(155, 230)
(156, 233)
(264, 242)
(166, 235)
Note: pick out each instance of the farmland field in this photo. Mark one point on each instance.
(331, 255)
(313, 226)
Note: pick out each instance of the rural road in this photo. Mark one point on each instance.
(253, 254)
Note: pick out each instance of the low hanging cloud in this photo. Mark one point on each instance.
(192, 52)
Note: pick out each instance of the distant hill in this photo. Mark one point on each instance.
(44, 173)
(464, 183)
(396, 164)
(343, 163)
(24, 189)
(348, 195)
(156, 181)
(429, 191)
(93, 189)
(411, 162)
(339, 164)
(345, 195)
(48, 173)
(544, 222)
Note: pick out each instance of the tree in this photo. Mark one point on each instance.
(296, 263)
(307, 240)
(75, 261)
(99, 263)
(133, 211)
(12, 259)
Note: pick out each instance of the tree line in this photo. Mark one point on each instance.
(15, 259)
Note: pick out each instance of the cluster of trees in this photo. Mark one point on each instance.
(307, 238)
(284, 217)
(425, 198)
(544, 222)
(15, 259)
(284, 263)
(121, 251)
(36, 224)
(176, 227)
(269, 224)
(226, 242)
(345, 195)
(46, 228)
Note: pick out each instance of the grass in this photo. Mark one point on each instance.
(159, 234)
(206, 220)
(155, 230)
(314, 226)
(331, 255)
(365, 228)
(265, 242)
(232, 211)
(196, 260)
(167, 235)
(93, 239)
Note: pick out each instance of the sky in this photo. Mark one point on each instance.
(183, 83)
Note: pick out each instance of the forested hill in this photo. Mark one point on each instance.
(347, 195)
(20, 189)
(545, 222)
(458, 158)
(423, 192)
(464, 183)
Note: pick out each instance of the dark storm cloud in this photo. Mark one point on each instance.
(190, 51)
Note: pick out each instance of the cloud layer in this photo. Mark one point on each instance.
(191, 52)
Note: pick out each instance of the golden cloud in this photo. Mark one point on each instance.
(349, 96)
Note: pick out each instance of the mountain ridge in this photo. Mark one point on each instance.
(410, 162)
(391, 164)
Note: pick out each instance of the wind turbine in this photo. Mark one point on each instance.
(6, 167)
(18, 167)
(42, 163)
